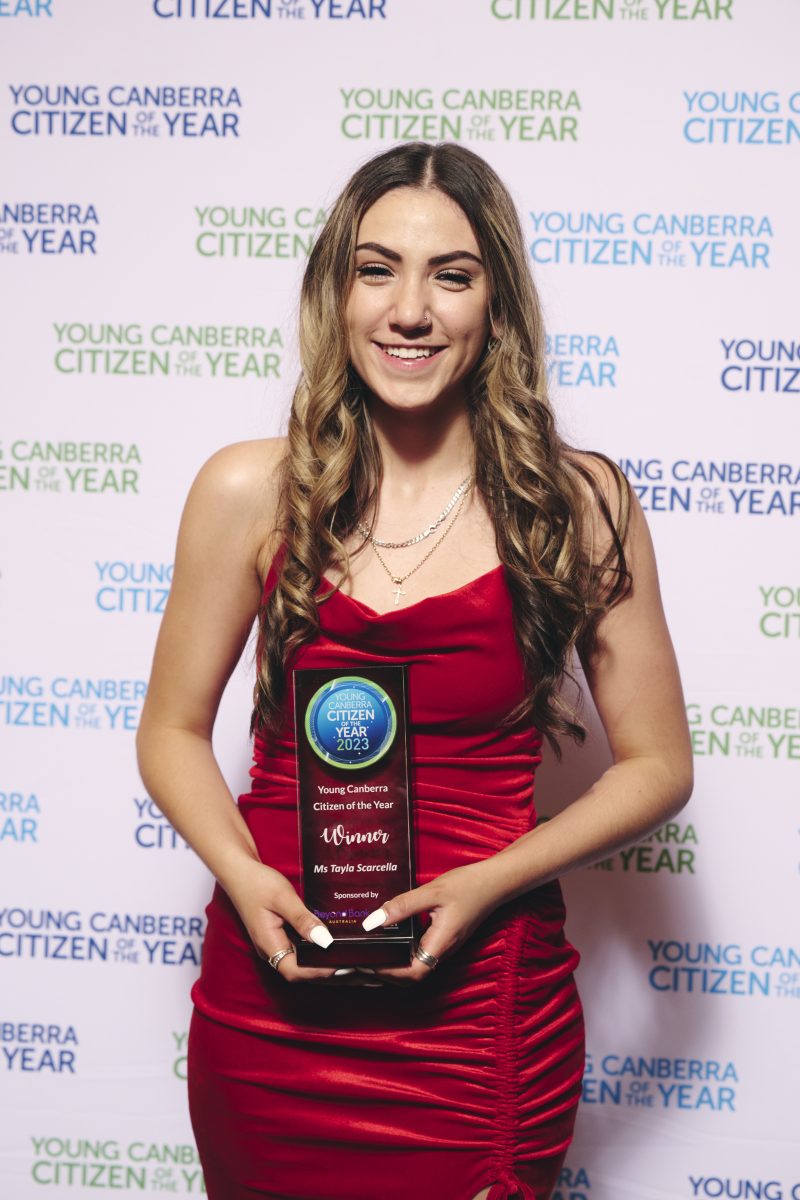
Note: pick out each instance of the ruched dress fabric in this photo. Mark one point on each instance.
(469, 1079)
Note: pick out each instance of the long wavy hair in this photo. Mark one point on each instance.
(537, 492)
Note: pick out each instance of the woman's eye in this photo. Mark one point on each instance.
(372, 271)
(459, 278)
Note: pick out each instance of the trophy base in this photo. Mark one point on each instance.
(356, 952)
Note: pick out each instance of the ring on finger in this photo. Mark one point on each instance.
(275, 958)
(430, 960)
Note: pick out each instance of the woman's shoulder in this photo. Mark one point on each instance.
(607, 499)
(238, 487)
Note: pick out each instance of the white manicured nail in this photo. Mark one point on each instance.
(321, 936)
(345, 971)
(374, 919)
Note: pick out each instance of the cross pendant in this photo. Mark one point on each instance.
(398, 592)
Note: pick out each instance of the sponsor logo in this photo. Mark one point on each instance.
(755, 489)
(741, 118)
(573, 1184)
(724, 969)
(248, 10)
(728, 1188)
(91, 467)
(101, 1162)
(256, 232)
(611, 10)
(648, 239)
(744, 731)
(123, 110)
(152, 830)
(670, 849)
(201, 351)
(140, 587)
(582, 360)
(760, 365)
(150, 939)
(460, 114)
(19, 817)
(781, 615)
(26, 8)
(625, 1080)
(37, 1047)
(48, 228)
(71, 702)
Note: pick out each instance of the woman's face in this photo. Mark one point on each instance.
(418, 309)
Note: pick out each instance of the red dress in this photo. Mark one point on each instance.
(468, 1080)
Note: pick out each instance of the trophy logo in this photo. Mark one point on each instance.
(351, 722)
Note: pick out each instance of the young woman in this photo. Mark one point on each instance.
(423, 511)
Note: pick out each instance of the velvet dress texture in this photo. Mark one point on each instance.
(467, 1080)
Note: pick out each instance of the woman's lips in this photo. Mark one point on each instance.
(401, 362)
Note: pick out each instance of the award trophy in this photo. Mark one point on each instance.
(354, 812)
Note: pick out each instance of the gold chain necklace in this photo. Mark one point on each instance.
(399, 580)
(420, 537)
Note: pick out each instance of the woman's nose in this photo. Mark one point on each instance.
(410, 308)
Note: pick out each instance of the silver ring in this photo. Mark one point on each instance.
(430, 960)
(275, 958)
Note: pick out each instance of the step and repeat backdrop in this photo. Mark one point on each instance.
(165, 167)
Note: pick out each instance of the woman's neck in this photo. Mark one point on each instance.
(423, 447)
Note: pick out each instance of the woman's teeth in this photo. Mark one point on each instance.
(410, 351)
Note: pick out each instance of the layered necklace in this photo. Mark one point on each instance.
(456, 501)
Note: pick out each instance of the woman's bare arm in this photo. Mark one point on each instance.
(223, 548)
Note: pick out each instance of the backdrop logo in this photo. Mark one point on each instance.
(573, 1184)
(27, 465)
(742, 118)
(781, 616)
(280, 10)
(152, 830)
(724, 969)
(71, 702)
(646, 239)
(46, 228)
(669, 850)
(123, 110)
(201, 351)
(19, 817)
(68, 935)
(760, 365)
(26, 8)
(34, 1047)
(256, 232)
(582, 360)
(716, 1186)
(610, 10)
(458, 114)
(178, 1065)
(755, 489)
(745, 730)
(625, 1080)
(127, 587)
(95, 1161)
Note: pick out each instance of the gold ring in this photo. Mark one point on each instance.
(275, 958)
(430, 960)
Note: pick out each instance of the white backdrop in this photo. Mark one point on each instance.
(165, 165)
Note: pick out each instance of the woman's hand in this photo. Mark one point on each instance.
(458, 901)
(266, 903)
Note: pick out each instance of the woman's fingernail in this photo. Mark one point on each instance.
(345, 971)
(366, 970)
(374, 919)
(321, 936)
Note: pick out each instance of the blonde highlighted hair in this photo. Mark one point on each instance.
(543, 499)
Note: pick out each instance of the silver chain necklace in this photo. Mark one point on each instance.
(462, 488)
(399, 580)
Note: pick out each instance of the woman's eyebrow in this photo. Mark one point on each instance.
(439, 260)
